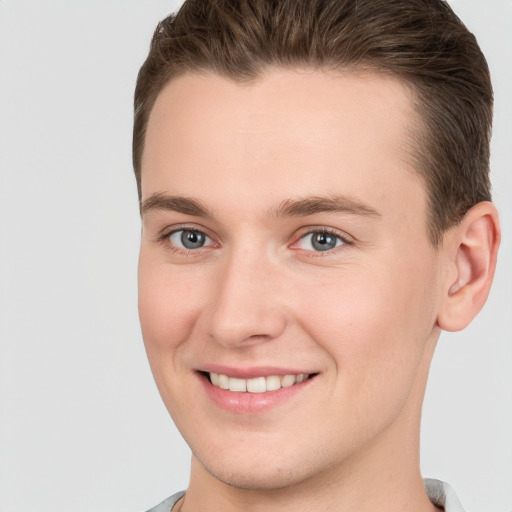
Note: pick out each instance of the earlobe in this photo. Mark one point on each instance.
(472, 248)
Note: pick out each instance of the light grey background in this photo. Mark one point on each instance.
(82, 428)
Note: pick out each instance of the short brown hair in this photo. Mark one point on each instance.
(420, 41)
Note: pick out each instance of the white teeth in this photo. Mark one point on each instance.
(288, 380)
(237, 384)
(223, 381)
(257, 384)
(273, 382)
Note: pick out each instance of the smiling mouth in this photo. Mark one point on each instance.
(256, 384)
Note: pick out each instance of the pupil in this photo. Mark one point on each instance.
(323, 241)
(192, 239)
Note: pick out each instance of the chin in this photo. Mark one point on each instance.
(257, 477)
(265, 469)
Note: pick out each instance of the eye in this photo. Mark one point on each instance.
(189, 239)
(320, 241)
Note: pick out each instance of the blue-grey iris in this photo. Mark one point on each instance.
(192, 239)
(323, 241)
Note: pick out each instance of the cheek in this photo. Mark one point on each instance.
(169, 302)
(373, 322)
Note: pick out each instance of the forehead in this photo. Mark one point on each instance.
(289, 133)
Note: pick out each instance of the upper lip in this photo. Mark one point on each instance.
(251, 372)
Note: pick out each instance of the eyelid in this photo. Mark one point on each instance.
(164, 235)
(309, 230)
(169, 230)
(173, 238)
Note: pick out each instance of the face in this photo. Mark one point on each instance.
(285, 257)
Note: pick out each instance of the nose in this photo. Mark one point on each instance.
(246, 304)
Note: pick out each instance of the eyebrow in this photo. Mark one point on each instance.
(320, 204)
(301, 207)
(185, 205)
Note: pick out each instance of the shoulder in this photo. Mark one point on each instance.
(166, 505)
(442, 495)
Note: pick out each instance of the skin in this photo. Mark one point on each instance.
(363, 316)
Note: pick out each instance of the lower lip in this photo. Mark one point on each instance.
(250, 403)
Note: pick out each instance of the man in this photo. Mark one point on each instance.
(313, 178)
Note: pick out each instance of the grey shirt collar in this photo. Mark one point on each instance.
(440, 494)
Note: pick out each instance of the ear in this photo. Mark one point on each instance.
(471, 249)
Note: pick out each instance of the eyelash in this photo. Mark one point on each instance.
(345, 241)
(164, 238)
